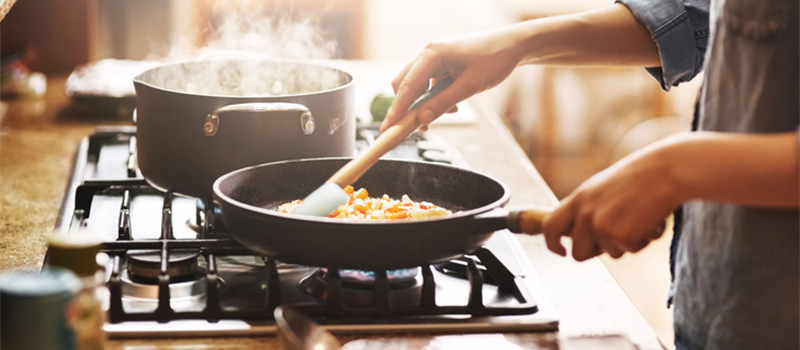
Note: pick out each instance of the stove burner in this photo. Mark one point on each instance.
(398, 279)
(358, 287)
(177, 290)
(139, 282)
(143, 297)
(144, 266)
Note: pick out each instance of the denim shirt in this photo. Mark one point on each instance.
(737, 268)
(680, 29)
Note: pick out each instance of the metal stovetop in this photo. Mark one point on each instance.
(235, 291)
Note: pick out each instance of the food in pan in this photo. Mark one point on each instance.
(363, 207)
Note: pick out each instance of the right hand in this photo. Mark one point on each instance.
(476, 62)
(622, 208)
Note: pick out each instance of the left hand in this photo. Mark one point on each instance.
(618, 210)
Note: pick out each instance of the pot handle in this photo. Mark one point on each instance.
(306, 121)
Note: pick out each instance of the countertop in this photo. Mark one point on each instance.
(38, 139)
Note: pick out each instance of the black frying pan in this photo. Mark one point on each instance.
(249, 196)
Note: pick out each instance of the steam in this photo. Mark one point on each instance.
(244, 26)
(248, 53)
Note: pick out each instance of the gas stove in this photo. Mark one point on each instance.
(172, 270)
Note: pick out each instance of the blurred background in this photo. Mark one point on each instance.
(572, 122)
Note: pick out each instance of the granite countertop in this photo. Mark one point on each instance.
(38, 139)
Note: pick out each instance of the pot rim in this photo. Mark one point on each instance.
(139, 80)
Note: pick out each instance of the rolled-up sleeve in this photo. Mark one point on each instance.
(680, 30)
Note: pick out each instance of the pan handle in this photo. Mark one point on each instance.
(529, 220)
(521, 221)
(305, 120)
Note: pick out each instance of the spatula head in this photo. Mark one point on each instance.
(322, 201)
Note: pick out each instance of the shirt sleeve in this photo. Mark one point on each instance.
(680, 30)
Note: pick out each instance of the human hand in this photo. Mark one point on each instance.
(620, 209)
(476, 62)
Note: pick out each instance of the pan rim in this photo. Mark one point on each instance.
(218, 193)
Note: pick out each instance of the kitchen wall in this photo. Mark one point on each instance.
(152, 29)
(574, 122)
(135, 29)
(400, 29)
(53, 35)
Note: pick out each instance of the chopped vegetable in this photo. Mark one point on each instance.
(362, 207)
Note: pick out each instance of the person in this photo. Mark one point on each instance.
(736, 179)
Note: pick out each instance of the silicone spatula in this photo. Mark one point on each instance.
(331, 195)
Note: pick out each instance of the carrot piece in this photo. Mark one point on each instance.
(395, 208)
(361, 194)
(359, 205)
(398, 215)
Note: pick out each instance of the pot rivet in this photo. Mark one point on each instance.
(307, 123)
(210, 125)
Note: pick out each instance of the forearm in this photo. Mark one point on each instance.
(479, 61)
(743, 169)
(608, 37)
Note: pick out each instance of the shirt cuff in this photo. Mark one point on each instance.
(680, 30)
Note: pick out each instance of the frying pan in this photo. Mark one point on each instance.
(248, 198)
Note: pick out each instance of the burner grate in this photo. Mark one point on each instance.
(481, 269)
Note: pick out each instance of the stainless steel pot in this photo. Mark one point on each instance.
(199, 120)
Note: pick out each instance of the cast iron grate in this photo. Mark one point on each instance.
(478, 269)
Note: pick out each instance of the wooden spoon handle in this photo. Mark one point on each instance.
(387, 141)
